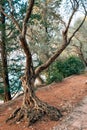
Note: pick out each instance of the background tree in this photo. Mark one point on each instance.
(33, 108)
(79, 42)
(7, 94)
(15, 58)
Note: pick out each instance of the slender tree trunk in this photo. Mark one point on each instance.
(7, 95)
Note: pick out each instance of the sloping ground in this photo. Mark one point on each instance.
(65, 95)
(77, 120)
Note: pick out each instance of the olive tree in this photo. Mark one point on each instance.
(32, 107)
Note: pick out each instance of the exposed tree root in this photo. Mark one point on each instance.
(31, 115)
(13, 115)
(33, 109)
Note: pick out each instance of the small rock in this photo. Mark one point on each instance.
(9, 108)
(86, 82)
(18, 123)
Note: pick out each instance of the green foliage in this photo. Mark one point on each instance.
(72, 65)
(65, 68)
(16, 70)
(1, 89)
(36, 16)
(54, 74)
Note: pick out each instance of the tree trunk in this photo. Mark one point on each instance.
(7, 95)
(33, 108)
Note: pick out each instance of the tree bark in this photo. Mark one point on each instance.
(7, 95)
(33, 108)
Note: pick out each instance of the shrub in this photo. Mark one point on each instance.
(65, 68)
(72, 65)
(54, 74)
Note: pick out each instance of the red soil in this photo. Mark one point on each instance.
(65, 96)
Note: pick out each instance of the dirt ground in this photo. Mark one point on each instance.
(65, 96)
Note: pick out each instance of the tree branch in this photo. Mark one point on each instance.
(50, 60)
(11, 6)
(84, 7)
(28, 14)
(9, 34)
(12, 18)
(77, 28)
(70, 19)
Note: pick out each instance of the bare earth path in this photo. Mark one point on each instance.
(77, 120)
(70, 96)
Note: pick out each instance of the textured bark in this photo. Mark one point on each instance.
(33, 108)
(7, 95)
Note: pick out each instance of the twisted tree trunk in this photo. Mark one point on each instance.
(32, 108)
